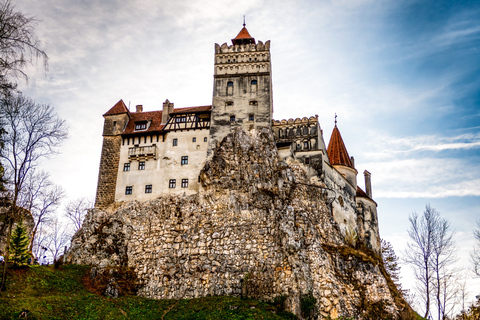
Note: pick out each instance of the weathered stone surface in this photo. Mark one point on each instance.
(258, 228)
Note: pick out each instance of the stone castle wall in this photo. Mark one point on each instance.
(259, 228)
(107, 175)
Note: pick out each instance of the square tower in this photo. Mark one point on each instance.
(242, 87)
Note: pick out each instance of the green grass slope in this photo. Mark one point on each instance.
(60, 294)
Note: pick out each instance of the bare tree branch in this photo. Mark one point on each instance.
(76, 210)
(33, 132)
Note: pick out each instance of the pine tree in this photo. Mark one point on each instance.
(19, 245)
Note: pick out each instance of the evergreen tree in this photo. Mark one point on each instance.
(19, 245)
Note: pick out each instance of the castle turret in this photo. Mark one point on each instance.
(242, 88)
(339, 158)
(115, 121)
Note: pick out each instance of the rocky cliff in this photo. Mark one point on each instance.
(258, 228)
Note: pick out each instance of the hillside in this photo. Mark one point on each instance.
(60, 294)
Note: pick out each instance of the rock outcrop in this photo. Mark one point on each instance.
(258, 228)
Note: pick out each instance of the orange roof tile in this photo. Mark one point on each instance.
(156, 119)
(118, 108)
(243, 37)
(337, 152)
(192, 109)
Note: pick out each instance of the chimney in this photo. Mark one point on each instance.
(167, 109)
(352, 159)
(139, 108)
(368, 183)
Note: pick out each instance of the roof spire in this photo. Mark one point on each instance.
(335, 119)
(244, 21)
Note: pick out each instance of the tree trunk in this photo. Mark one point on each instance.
(7, 254)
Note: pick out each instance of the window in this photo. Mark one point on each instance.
(229, 103)
(184, 160)
(184, 183)
(175, 142)
(181, 119)
(194, 139)
(141, 165)
(232, 118)
(141, 125)
(172, 183)
(254, 82)
(305, 145)
(148, 188)
(251, 117)
(229, 84)
(126, 166)
(128, 190)
(307, 160)
(205, 139)
(229, 88)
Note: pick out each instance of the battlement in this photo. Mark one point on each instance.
(225, 48)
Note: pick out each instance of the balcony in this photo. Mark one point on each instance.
(142, 152)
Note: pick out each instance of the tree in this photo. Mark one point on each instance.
(18, 45)
(19, 245)
(34, 132)
(41, 197)
(475, 255)
(58, 237)
(430, 252)
(76, 210)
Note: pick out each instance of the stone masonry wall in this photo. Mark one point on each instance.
(258, 228)
(107, 175)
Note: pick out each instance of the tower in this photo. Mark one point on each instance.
(115, 121)
(339, 158)
(242, 87)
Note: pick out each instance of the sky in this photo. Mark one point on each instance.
(402, 76)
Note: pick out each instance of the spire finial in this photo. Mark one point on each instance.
(335, 119)
(244, 21)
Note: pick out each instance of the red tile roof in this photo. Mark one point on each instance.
(243, 34)
(337, 152)
(192, 109)
(363, 194)
(243, 37)
(118, 108)
(156, 118)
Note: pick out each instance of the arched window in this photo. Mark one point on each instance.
(229, 88)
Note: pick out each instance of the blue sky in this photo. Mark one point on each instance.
(403, 77)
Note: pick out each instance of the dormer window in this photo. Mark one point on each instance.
(141, 125)
(181, 119)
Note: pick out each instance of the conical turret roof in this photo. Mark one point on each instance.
(118, 108)
(243, 37)
(337, 152)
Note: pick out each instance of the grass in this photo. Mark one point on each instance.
(48, 293)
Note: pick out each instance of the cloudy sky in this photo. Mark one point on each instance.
(401, 75)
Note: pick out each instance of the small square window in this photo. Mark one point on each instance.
(230, 83)
(175, 142)
(205, 139)
(194, 139)
(251, 117)
(148, 188)
(184, 160)
(307, 160)
(172, 183)
(184, 183)
(305, 145)
(126, 166)
(254, 81)
(232, 118)
(128, 190)
(141, 165)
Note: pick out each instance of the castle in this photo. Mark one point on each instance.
(149, 154)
